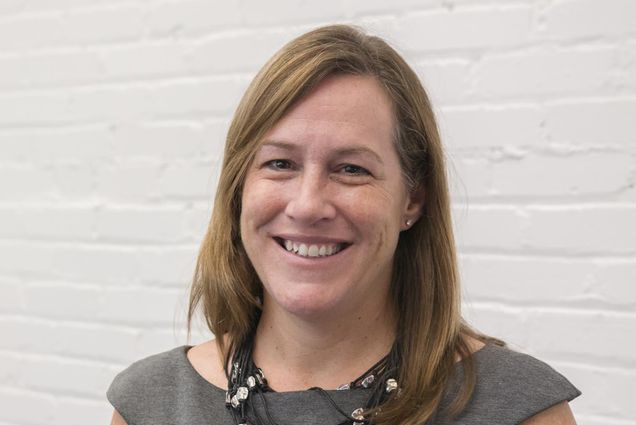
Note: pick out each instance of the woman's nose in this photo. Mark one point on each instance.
(310, 199)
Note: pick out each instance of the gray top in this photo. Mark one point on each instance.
(165, 389)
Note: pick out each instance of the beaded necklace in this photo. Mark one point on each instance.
(246, 381)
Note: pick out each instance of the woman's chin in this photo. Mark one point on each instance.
(308, 306)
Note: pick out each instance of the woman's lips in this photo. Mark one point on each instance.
(308, 249)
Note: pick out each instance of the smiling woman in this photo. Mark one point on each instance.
(328, 273)
(324, 186)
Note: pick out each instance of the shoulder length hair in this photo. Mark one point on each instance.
(425, 287)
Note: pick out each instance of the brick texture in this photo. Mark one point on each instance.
(112, 121)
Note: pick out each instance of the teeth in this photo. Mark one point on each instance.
(311, 250)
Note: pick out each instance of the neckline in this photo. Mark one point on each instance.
(183, 353)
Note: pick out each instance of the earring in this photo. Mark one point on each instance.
(408, 223)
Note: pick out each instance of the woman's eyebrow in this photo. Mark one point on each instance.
(359, 150)
(277, 144)
(352, 150)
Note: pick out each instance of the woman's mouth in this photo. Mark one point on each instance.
(304, 249)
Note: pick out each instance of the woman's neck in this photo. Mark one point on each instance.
(297, 354)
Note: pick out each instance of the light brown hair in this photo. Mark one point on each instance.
(425, 286)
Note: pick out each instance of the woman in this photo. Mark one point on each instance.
(328, 272)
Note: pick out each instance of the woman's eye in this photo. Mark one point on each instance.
(355, 170)
(279, 164)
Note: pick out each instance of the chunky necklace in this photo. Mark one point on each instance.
(247, 381)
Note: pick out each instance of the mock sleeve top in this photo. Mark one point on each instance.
(165, 389)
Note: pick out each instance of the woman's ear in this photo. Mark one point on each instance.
(414, 207)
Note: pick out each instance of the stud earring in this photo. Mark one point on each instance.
(408, 223)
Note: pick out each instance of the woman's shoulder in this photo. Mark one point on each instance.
(503, 364)
(512, 386)
(145, 377)
(154, 388)
(151, 369)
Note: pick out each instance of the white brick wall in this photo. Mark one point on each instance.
(112, 119)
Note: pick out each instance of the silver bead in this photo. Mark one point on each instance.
(260, 376)
(366, 382)
(235, 402)
(228, 398)
(242, 393)
(391, 385)
(251, 382)
(343, 387)
(235, 369)
(358, 414)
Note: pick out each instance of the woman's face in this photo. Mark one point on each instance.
(325, 200)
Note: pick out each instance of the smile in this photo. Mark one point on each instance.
(311, 250)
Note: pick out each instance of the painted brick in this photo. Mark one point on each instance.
(66, 338)
(475, 227)
(11, 6)
(178, 180)
(360, 8)
(191, 17)
(66, 5)
(562, 175)
(560, 334)
(609, 388)
(65, 376)
(157, 60)
(163, 141)
(588, 18)
(214, 135)
(47, 223)
(35, 184)
(197, 219)
(129, 182)
(46, 146)
(71, 409)
(154, 341)
(73, 182)
(222, 54)
(495, 126)
(446, 81)
(628, 59)
(520, 279)
(122, 103)
(542, 72)
(48, 69)
(141, 306)
(165, 225)
(607, 122)
(17, 402)
(469, 28)
(31, 32)
(208, 97)
(584, 229)
(96, 25)
(169, 266)
(470, 177)
(258, 13)
(613, 282)
(34, 109)
(11, 296)
(76, 263)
